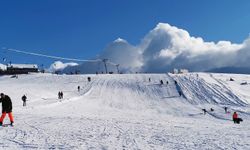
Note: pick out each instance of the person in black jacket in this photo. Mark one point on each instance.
(24, 99)
(6, 108)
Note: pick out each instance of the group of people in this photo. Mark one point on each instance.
(175, 82)
(60, 95)
(235, 117)
(161, 82)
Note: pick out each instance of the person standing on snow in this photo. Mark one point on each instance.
(78, 88)
(225, 108)
(24, 98)
(59, 95)
(161, 82)
(6, 108)
(236, 119)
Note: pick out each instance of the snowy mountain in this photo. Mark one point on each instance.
(127, 111)
(117, 52)
(90, 68)
(237, 70)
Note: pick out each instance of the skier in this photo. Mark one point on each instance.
(89, 79)
(149, 80)
(24, 98)
(6, 108)
(78, 88)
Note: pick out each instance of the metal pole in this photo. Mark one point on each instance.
(105, 65)
(117, 66)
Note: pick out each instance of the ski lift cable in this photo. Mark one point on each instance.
(49, 56)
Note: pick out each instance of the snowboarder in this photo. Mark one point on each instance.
(78, 88)
(24, 98)
(89, 79)
(6, 108)
(167, 82)
(236, 119)
(211, 109)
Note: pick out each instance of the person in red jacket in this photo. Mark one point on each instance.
(235, 117)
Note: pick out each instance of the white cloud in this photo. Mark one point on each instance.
(58, 65)
(167, 47)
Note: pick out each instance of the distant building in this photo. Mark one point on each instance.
(183, 71)
(175, 71)
(20, 69)
(180, 71)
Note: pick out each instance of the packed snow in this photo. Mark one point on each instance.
(127, 111)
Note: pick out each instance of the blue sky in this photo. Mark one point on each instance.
(83, 28)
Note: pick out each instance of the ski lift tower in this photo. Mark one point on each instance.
(117, 67)
(105, 64)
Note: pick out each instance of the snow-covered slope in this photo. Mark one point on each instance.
(126, 111)
(205, 88)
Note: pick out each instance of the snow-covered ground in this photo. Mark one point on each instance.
(127, 111)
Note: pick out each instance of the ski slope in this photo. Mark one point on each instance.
(127, 111)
